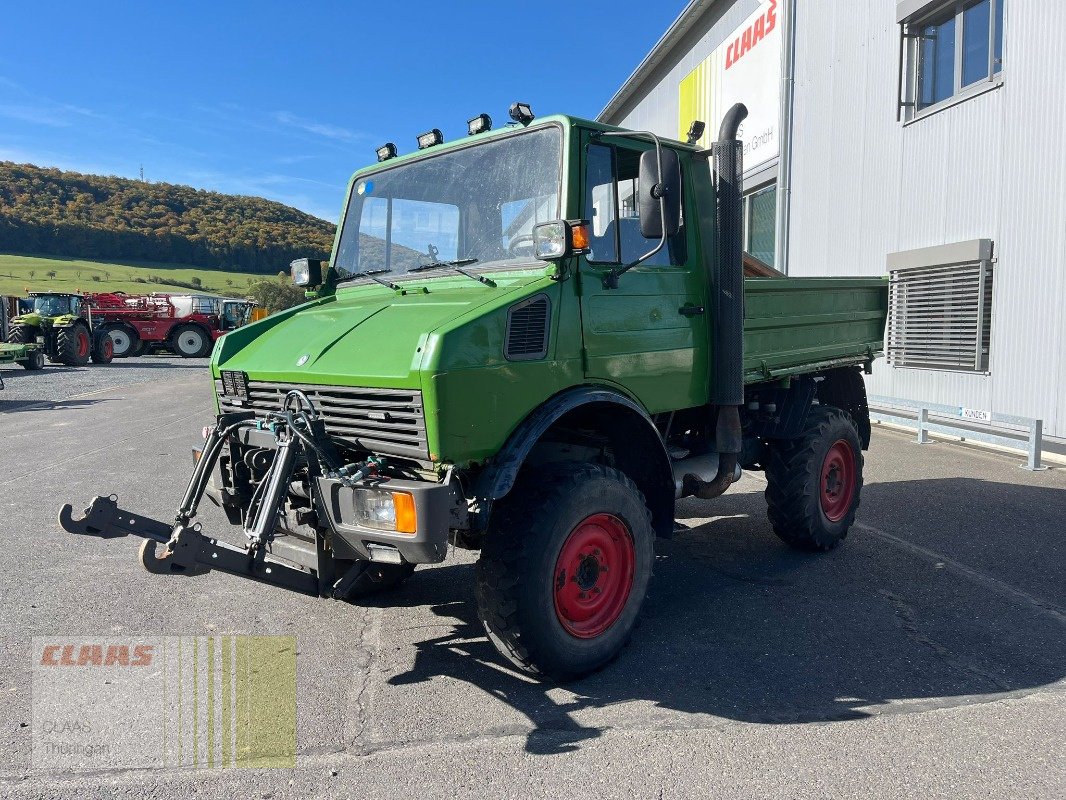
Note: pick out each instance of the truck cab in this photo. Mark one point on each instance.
(531, 342)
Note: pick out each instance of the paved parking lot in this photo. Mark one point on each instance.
(925, 657)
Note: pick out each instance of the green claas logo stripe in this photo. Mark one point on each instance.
(235, 703)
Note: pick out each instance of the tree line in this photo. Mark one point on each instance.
(53, 212)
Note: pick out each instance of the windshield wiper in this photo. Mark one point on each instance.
(372, 274)
(456, 266)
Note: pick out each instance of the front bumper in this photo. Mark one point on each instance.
(437, 506)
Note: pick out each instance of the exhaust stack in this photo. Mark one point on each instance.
(727, 284)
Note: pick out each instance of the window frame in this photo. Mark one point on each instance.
(907, 110)
(749, 195)
(678, 240)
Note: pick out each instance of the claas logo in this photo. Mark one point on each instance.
(96, 655)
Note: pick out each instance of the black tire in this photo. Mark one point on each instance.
(814, 482)
(124, 339)
(74, 345)
(375, 578)
(525, 570)
(34, 359)
(103, 348)
(190, 341)
(21, 334)
(138, 349)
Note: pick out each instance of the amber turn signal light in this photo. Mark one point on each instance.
(406, 521)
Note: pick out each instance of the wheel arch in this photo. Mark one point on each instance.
(634, 441)
(844, 388)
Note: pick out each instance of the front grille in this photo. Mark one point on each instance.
(386, 421)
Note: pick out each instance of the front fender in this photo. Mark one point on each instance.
(639, 449)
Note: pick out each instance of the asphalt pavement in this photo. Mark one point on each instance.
(924, 658)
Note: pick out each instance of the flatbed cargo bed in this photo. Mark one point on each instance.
(798, 325)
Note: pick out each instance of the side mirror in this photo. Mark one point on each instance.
(560, 238)
(306, 272)
(660, 194)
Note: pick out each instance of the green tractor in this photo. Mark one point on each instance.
(59, 323)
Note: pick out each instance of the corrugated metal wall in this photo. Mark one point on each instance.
(863, 185)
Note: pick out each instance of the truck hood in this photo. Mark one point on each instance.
(367, 336)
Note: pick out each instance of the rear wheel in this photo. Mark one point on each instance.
(813, 482)
(21, 334)
(191, 341)
(564, 569)
(124, 340)
(103, 348)
(73, 345)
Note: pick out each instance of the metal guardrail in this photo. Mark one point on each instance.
(882, 409)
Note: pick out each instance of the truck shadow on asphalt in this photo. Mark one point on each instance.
(737, 626)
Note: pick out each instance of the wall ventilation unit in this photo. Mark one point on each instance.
(940, 307)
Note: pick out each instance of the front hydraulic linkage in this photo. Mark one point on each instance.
(186, 551)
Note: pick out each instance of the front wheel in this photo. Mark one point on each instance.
(74, 345)
(191, 341)
(103, 348)
(564, 569)
(813, 482)
(124, 340)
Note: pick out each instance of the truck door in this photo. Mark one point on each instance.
(650, 334)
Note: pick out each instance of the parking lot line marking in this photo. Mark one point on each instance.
(971, 574)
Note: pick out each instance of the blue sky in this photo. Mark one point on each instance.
(285, 100)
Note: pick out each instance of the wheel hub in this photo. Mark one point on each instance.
(837, 486)
(594, 575)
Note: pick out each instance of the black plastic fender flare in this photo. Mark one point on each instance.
(501, 472)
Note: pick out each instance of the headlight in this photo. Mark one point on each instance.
(386, 511)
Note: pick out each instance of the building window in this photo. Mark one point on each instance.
(951, 51)
(760, 223)
(940, 307)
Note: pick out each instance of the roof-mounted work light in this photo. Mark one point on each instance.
(386, 151)
(521, 113)
(430, 138)
(479, 124)
(695, 131)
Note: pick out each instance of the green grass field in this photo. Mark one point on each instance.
(19, 274)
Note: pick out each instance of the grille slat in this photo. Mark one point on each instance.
(347, 414)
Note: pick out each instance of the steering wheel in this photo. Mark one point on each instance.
(523, 241)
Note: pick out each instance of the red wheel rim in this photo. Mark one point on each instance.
(83, 344)
(109, 348)
(594, 575)
(838, 480)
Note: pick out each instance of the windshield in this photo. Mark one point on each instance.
(477, 205)
(52, 306)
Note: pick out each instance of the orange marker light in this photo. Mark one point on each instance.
(405, 512)
(580, 237)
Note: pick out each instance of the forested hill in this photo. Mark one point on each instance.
(92, 216)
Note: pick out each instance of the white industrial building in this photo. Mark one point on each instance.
(922, 139)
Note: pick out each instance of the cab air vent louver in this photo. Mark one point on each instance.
(527, 329)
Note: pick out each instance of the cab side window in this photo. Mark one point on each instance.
(612, 183)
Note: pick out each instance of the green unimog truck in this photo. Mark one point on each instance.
(530, 342)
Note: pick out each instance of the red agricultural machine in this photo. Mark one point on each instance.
(187, 325)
